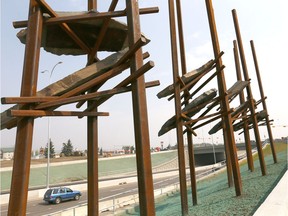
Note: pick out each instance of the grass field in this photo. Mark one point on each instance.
(78, 171)
(217, 199)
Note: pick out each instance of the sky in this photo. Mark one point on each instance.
(263, 21)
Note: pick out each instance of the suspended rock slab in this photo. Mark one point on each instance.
(55, 40)
(191, 109)
(188, 77)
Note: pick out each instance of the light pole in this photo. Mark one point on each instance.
(213, 150)
(49, 140)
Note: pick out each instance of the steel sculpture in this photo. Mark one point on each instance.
(84, 35)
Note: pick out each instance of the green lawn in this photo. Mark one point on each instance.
(216, 198)
(78, 171)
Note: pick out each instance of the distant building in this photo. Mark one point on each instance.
(7, 153)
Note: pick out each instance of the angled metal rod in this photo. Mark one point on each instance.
(65, 27)
(263, 101)
(104, 27)
(224, 103)
(88, 85)
(130, 79)
(177, 100)
(209, 121)
(24, 135)
(140, 115)
(249, 94)
(89, 16)
(25, 100)
(205, 83)
(41, 113)
(242, 101)
(191, 84)
(204, 117)
(96, 95)
(145, 55)
(141, 42)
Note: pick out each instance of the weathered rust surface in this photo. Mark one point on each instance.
(202, 99)
(140, 115)
(177, 104)
(263, 101)
(233, 91)
(186, 78)
(24, 135)
(55, 40)
(249, 93)
(259, 116)
(247, 138)
(225, 106)
(69, 82)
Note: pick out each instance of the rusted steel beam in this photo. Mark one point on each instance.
(210, 120)
(249, 94)
(25, 100)
(92, 5)
(141, 42)
(192, 83)
(88, 85)
(24, 135)
(204, 83)
(242, 101)
(130, 79)
(89, 16)
(92, 54)
(64, 26)
(190, 79)
(40, 113)
(228, 159)
(179, 129)
(142, 139)
(219, 114)
(71, 81)
(79, 104)
(263, 101)
(224, 103)
(93, 96)
(92, 147)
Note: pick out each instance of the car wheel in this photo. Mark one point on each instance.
(77, 197)
(57, 200)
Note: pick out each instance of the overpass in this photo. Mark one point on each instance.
(207, 153)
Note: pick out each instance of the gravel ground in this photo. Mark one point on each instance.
(216, 198)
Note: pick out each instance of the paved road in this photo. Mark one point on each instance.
(39, 207)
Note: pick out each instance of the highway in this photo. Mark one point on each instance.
(39, 207)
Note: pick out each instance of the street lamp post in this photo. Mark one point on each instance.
(49, 139)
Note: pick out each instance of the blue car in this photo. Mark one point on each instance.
(57, 195)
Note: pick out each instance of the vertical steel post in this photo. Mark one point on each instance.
(225, 104)
(142, 139)
(23, 145)
(242, 100)
(249, 94)
(263, 101)
(179, 129)
(227, 155)
(92, 151)
(189, 134)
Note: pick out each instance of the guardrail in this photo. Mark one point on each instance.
(112, 203)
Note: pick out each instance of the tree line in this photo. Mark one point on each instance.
(66, 151)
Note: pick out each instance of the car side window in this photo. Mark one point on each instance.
(69, 190)
(62, 190)
(55, 191)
